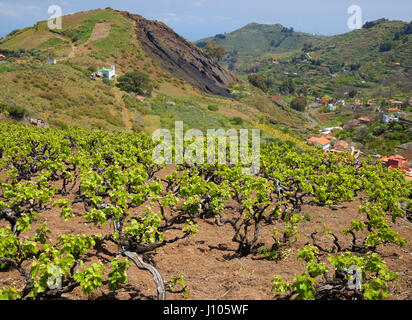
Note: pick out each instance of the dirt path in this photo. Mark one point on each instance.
(72, 53)
(125, 112)
(313, 122)
(126, 119)
(100, 31)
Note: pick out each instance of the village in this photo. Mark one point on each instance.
(364, 114)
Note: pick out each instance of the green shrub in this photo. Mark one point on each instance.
(136, 82)
(237, 121)
(298, 104)
(92, 69)
(213, 107)
(17, 112)
(386, 46)
(378, 130)
(108, 82)
(257, 81)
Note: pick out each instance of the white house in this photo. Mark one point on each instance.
(107, 73)
(390, 117)
(322, 142)
(331, 107)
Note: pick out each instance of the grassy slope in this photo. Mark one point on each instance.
(64, 93)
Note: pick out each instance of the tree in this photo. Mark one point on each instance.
(353, 93)
(136, 82)
(307, 46)
(257, 81)
(288, 86)
(327, 98)
(386, 46)
(298, 104)
(217, 52)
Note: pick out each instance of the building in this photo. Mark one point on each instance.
(2, 57)
(394, 162)
(331, 107)
(364, 120)
(51, 61)
(329, 137)
(107, 73)
(386, 118)
(323, 142)
(395, 102)
(329, 130)
(340, 102)
(341, 146)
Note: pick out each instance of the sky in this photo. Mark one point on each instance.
(197, 19)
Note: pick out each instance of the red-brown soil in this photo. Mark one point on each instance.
(208, 260)
(209, 264)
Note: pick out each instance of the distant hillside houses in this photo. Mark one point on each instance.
(397, 162)
(386, 118)
(341, 146)
(331, 107)
(329, 130)
(322, 142)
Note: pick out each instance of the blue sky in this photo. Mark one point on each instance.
(196, 19)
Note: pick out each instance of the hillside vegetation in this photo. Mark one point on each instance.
(375, 61)
(255, 41)
(63, 94)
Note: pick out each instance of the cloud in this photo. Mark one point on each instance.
(17, 10)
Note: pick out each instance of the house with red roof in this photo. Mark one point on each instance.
(364, 120)
(323, 142)
(394, 162)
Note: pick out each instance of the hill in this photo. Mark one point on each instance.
(375, 61)
(256, 40)
(185, 81)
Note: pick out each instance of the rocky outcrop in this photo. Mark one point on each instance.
(180, 57)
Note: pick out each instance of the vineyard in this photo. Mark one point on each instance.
(88, 214)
